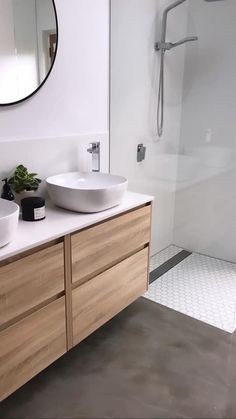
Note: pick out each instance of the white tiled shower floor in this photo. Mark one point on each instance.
(201, 287)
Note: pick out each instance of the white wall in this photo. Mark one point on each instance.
(72, 103)
(134, 80)
(206, 202)
(49, 156)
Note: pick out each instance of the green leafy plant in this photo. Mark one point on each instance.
(22, 180)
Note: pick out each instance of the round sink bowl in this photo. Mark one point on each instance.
(9, 217)
(86, 192)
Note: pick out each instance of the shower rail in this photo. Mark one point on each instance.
(164, 46)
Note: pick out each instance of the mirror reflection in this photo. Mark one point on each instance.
(28, 41)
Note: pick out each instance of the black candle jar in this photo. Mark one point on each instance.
(33, 208)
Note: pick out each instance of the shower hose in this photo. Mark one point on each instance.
(160, 101)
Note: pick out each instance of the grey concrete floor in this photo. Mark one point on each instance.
(148, 362)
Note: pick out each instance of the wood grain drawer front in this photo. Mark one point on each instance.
(30, 345)
(30, 281)
(100, 247)
(101, 298)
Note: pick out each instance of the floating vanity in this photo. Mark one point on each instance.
(63, 278)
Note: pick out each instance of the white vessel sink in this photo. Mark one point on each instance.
(86, 192)
(9, 216)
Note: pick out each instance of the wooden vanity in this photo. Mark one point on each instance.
(54, 295)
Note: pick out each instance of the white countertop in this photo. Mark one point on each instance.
(59, 222)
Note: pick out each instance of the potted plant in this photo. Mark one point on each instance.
(23, 183)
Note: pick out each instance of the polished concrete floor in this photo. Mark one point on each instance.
(148, 362)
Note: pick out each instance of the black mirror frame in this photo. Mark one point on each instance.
(49, 72)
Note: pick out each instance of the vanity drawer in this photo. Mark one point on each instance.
(30, 345)
(29, 281)
(100, 247)
(101, 298)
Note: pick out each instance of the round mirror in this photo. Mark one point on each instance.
(28, 46)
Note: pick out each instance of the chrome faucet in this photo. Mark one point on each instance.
(94, 149)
